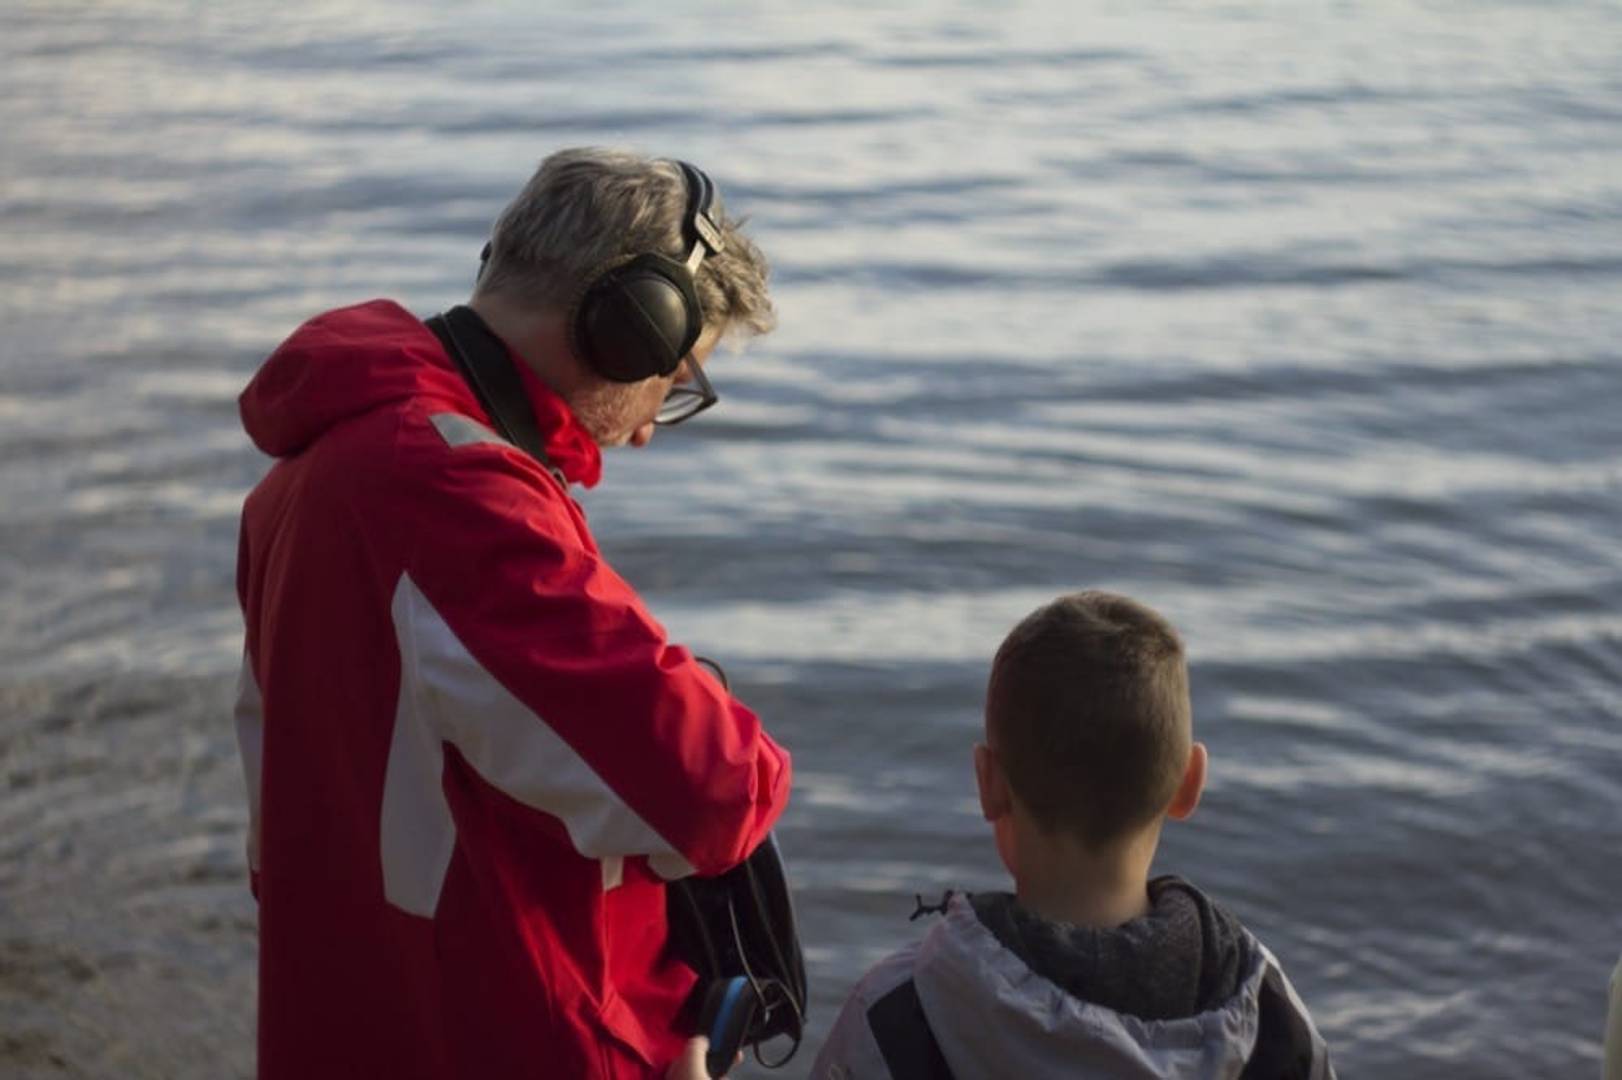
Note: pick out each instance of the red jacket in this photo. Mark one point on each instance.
(473, 758)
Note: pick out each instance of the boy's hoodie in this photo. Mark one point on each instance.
(996, 991)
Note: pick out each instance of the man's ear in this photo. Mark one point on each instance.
(988, 777)
(1190, 787)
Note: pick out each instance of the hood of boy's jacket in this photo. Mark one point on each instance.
(348, 362)
(993, 1015)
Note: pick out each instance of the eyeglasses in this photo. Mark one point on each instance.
(715, 669)
(686, 400)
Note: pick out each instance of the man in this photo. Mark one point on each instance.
(473, 759)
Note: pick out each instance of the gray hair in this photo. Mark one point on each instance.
(586, 209)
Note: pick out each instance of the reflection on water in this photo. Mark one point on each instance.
(1298, 323)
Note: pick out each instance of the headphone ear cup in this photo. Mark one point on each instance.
(638, 320)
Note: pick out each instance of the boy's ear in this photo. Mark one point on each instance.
(993, 785)
(1192, 784)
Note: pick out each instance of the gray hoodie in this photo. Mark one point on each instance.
(1185, 992)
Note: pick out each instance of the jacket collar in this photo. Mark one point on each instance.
(568, 444)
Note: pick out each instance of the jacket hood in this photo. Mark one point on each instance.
(350, 361)
(1185, 955)
(994, 1016)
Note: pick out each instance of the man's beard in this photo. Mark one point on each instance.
(608, 412)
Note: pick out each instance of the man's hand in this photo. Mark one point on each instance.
(690, 1066)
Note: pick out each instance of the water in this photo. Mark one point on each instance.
(1297, 321)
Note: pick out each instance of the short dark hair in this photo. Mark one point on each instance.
(1088, 711)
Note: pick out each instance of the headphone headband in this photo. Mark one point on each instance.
(699, 228)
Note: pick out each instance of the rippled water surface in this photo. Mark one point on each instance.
(1298, 321)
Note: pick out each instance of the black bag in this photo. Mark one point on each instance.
(738, 932)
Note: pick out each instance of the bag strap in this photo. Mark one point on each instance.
(484, 362)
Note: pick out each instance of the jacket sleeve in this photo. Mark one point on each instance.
(848, 1047)
(1296, 1040)
(852, 1050)
(249, 714)
(531, 656)
(1613, 1028)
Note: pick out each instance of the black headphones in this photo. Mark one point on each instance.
(638, 318)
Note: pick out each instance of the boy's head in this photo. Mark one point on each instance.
(1088, 719)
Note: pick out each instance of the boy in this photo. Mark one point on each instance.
(1089, 969)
